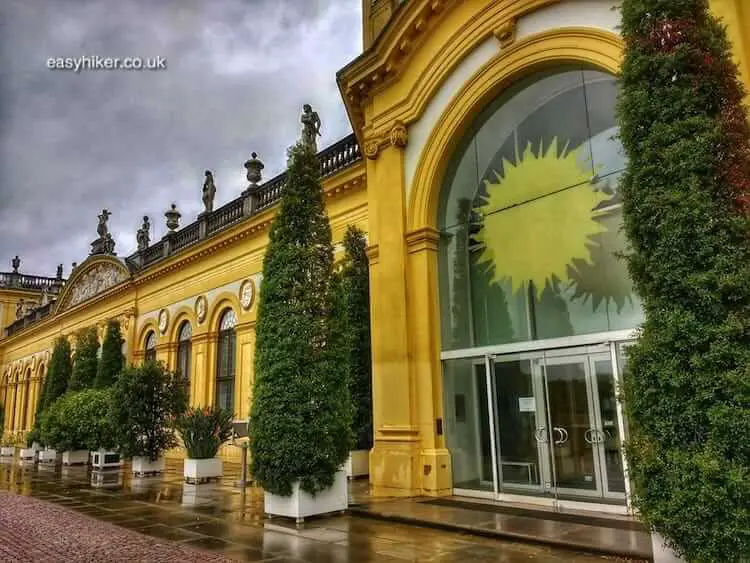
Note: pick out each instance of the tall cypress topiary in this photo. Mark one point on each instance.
(85, 360)
(300, 424)
(355, 282)
(685, 213)
(58, 374)
(110, 364)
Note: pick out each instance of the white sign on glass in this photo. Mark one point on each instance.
(526, 404)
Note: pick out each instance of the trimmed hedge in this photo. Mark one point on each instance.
(685, 195)
(79, 421)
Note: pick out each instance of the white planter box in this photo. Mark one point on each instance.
(27, 454)
(37, 446)
(358, 463)
(662, 552)
(73, 457)
(49, 456)
(197, 470)
(302, 504)
(105, 459)
(143, 466)
(7, 451)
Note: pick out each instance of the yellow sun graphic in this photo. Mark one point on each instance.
(537, 217)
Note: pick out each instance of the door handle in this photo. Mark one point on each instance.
(589, 436)
(541, 434)
(565, 435)
(562, 436)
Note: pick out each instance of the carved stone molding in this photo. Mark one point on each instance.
(247, 294)
(163, 321)
(98, 279)
(426, 238)
(373, 254)
(397, 137)
(506, 33)
(201, 307)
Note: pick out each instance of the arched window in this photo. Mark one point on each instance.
(225, 365)
(150, 347)
(183, 353)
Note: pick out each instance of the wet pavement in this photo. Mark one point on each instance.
(222, 518)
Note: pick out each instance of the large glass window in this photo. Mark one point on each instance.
(150, 347)
(530, 217)
(226, 361)
(184, 348)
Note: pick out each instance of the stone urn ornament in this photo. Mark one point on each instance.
(173, 218)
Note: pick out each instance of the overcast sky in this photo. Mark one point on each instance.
(238, 72)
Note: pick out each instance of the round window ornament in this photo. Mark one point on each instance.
(163, 320)
(247, 294)
(201, 306)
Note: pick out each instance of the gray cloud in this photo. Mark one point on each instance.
(238, 72)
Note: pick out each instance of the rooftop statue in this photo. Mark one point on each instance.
(142, 236)
(101, 228)
(105, 244)
(310, 127)
(209, 192)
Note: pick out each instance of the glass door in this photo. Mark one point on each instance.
(571, 420)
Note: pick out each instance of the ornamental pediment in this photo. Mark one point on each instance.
(91, 281)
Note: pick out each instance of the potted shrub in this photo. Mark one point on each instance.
(146, 403)
(203, 431)
(27, 453)
(77, 423)
(300, 425)
(8, 445)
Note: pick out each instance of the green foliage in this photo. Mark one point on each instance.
(111, 362)
(204, 430)
(86, 360)
(146, 402)
(300, 423)
(79, 421)
(355, 283)
(58, 375)
(687, 388)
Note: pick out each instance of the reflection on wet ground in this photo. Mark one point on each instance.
(221, 517)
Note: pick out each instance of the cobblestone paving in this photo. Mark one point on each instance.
(68, 519)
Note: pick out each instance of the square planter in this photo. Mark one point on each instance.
(662, 552)
(358, 464)
(7, 451)
(302, 504)
(105, 459)
(49, 457)
(37, 446)
(200, 470)
(75, 457)
(143, 466)
(27, 454)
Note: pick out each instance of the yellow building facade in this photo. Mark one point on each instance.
(483, 168)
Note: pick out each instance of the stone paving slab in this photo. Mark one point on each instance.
(223, 519)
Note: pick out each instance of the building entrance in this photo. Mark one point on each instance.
(547, 424)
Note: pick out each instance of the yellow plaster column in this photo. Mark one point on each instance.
(203, 346)
(18, 423)
(163, 353)
(127, 323)
(424, 331)
(245, 369)
(36, 383)
(736, 16)
(395, 458)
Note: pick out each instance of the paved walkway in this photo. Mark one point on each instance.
(221, 519)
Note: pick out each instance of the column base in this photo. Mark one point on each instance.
(394, 468)
(437, 474)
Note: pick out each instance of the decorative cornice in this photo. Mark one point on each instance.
(422, 239)
(397, 137)
(359, 181)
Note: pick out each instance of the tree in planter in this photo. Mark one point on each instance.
(86, 360)
(146, 402)
(111, 362)
(54, 386)
(204, 430)
(79, 421)
(300, 424)
(687, 387)
(355, 283)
